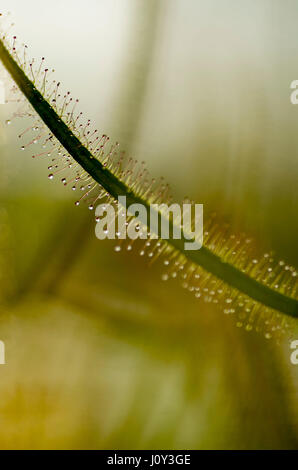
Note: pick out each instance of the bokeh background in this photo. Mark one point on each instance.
(100, 352)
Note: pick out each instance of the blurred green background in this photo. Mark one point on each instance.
(100, 353)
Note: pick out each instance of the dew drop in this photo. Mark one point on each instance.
(91, 207)
(164, 277)
(8, 122)
(77, 203)
(117, 248)
(51, 176)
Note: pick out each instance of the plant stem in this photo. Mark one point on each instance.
(203, 257)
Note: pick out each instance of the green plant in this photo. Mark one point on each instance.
(224, 271)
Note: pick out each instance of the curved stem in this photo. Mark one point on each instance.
(203, 257)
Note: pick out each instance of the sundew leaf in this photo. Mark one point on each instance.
(258, 290)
